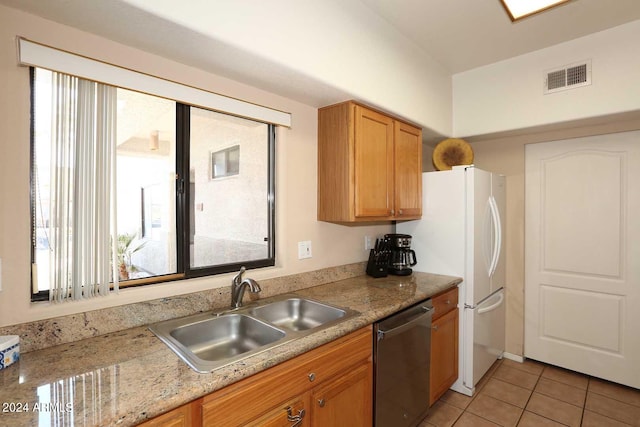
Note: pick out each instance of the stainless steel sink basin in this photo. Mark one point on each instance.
(209, 341)
(206, 342)
(297, 314)
(223, 337)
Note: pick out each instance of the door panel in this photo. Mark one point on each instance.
(582, 252)
(599, 176)
(408, 170)
(345, 401)
(374, 163)
(597, 325)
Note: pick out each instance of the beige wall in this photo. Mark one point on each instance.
(296, 174)
(506, 156)
(508, 94)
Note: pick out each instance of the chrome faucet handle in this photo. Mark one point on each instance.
(238, 286)
(238, 277)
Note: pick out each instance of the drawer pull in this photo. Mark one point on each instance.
(295, 419)
(312, 377)
(434, 327)
(321, 402)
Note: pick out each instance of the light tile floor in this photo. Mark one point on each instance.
(533, 394)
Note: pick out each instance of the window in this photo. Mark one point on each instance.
(157, 211)
(225, 162)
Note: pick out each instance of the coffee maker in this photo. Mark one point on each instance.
(402, 256)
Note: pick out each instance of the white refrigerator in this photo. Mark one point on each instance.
(461, 233)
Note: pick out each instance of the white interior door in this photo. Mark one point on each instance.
(582, 255)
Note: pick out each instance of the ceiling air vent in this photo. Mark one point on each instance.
(568, 77)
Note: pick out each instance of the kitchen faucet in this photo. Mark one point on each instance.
(238, 285)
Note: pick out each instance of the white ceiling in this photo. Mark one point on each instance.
(465, 34)
(458, 34)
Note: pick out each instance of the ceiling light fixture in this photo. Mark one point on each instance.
(518, 9)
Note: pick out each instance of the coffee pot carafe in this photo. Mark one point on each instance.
(402, 256)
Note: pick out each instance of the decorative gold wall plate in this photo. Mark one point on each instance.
(452, 152)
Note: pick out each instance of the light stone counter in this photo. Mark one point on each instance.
(124, 378)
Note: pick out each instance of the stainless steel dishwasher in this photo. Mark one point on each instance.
(402, 360)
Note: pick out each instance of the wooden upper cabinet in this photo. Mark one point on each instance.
(374, 167)
(408, 171)
(369, 166)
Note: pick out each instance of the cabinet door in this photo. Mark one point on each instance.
(444, 354)
(408, 170)
(179, 417)
(373, 157)
(345, 401)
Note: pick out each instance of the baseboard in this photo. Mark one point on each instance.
(513, 357)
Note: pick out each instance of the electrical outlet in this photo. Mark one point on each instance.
(304, 249)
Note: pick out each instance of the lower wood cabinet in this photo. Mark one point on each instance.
(346, 401)
(184, 416)
(444, 344)
(328, 386)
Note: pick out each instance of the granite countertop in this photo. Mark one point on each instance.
(124, 378)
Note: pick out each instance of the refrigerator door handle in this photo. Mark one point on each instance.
(497, 244)
(492, 306)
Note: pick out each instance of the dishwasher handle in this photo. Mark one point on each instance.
(425, 313)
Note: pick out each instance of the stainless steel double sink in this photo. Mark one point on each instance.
(209, 341)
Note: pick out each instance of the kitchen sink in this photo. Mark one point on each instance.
(209, 341)
(298, 314)
(227, 336)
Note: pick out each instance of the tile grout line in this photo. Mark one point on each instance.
(608, 396)
(539, 376)
(474, 398)
(586, 395)
(568, 385)
(529, 398)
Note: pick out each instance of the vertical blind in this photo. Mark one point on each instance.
(83, 152)
(83, 247)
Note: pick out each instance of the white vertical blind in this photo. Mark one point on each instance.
(83, 170)
(38, 55)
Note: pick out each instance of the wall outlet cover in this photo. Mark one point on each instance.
(304, 249)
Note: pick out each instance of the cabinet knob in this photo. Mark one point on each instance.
(399, 211)
(434, 327)
(393, 211)
(448, 302)
(321, 402)
(312, 377)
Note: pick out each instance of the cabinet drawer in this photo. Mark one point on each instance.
(445, 302)
(278, 384)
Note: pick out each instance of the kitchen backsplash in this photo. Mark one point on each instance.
(49, 332)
